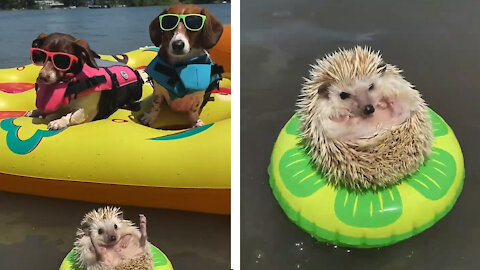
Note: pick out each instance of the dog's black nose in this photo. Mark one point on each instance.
(178, 45)
(113, 238)
(369, 109)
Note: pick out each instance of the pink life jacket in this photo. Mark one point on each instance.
(50, 97)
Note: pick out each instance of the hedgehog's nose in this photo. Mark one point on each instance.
(369, 109)
(113, 238)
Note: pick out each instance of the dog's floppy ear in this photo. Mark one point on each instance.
(85, 53)
(36, 43)
(156, 33)
(212, 30)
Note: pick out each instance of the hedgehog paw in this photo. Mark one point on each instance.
(143, 224)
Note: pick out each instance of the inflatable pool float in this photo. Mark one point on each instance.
(371, 218)
(160, 261)
(117, 160)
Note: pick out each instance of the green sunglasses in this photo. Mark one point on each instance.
(193, 22)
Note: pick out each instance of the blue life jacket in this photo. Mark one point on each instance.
(197, 74)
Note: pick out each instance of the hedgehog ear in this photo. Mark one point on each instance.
(85, 228)
(323, 90)
(382, 68)
(120, 215)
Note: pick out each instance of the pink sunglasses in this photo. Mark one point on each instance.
(61, 61)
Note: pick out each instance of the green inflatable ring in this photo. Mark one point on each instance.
(160, 261)
(372, 218)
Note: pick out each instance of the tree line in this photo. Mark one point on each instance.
(30, 4)
(10, 4)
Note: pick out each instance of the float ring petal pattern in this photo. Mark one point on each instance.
(371, 218)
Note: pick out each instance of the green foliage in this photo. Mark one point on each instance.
(138, 3)
(17, 4)
(30, 4)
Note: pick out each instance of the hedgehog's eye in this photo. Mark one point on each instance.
(115, 226)
(371, 86)
(344, 95)
(100, 231)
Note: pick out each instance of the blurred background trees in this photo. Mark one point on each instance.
(9, 4)
(31, 4)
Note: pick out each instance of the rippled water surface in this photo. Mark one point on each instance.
(437, 43)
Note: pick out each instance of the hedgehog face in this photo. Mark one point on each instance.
(105, 231)
(364, 107)
(365, 126)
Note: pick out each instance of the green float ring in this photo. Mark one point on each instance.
(372, 218)
(160, 261)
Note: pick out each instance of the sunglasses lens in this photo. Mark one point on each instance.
(61, 61)
(194, 22)
(38, 57)
(168, 22)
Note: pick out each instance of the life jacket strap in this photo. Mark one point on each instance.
(207, 97)
(170, 72)
(217, 69)
(174, 78)
(137, 74)
(113, 76)
(134, 103)
(75, 88)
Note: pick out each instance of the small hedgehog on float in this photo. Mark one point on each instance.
(107, 241)
(364, 162)
(363, 123)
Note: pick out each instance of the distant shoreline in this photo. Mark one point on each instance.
(116, 6)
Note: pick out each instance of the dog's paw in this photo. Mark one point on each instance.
(57, 124)
(148, 119)
(33, 113)
(199, 123)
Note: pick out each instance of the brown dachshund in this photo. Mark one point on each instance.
(67, 65)
(180, 41)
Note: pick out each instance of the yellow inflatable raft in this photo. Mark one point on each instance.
(117, 160)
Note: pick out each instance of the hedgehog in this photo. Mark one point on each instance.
(107, 241)
(363, 124)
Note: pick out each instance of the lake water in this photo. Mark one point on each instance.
(108, 31)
